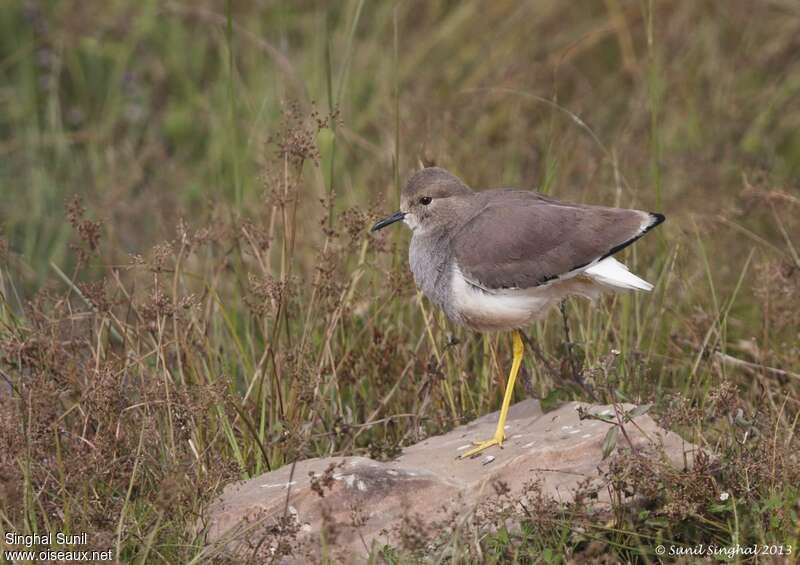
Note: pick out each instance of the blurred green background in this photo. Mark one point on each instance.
(151, 109)
(235, 154)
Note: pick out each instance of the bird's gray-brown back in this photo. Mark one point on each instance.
(520, 239)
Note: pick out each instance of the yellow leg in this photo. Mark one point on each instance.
(499, 434)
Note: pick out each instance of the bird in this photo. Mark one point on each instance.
(499, 259)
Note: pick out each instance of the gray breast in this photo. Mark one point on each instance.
(431, 259)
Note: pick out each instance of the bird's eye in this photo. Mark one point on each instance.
(425, 200)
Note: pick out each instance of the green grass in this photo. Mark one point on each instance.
(236, 315)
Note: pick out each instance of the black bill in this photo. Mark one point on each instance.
(396, 217)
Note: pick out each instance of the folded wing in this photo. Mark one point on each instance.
(526, 240)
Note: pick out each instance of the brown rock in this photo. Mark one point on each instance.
(344, 505)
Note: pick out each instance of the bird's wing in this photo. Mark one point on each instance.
(524, 241)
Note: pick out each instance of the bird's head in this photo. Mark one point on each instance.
(426, 197)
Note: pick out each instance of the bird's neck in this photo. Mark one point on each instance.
(430, 257)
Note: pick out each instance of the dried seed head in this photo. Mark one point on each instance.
(160, 256)
(88, 230)
(267, 293)
(95, 293)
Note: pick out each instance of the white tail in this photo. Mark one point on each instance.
(611, 272)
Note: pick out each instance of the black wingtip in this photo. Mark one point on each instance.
(657, 219)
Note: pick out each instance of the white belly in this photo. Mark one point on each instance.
(500, 309)
(507, 309)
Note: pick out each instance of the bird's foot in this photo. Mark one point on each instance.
(482, 445)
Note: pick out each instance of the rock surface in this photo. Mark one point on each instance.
(369, 499)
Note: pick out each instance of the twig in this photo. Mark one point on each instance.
(576, 375)
(730, 360)
(563, 308)
(537, 351)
